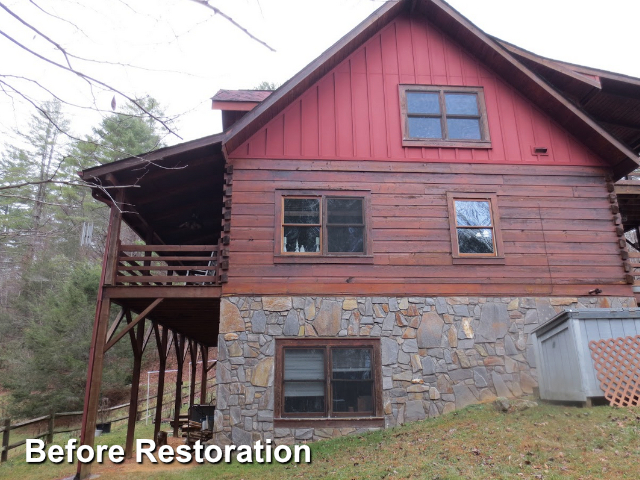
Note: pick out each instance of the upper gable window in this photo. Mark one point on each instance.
(443, 116)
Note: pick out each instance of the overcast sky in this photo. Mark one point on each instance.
(182, 54)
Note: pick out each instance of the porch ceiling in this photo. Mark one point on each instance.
(173, 196)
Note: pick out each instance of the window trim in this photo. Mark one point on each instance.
(321, 257)
(407, 141)
(327, 418)
(476, 258)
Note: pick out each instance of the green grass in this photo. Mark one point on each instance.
(548, 442)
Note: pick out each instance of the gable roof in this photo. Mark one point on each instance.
(484, 47)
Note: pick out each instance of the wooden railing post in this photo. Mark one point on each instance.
(52, 421)
(5, 440)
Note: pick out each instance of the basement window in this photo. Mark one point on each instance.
(327, 378)
(443, 116)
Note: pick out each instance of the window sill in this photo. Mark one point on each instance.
(478, 261)
(414, 142)
(353, 259)
(333, 422)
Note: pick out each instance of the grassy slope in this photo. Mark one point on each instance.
(548, 442)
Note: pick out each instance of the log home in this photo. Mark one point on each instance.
(373, 242)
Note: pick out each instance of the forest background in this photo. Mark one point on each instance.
(51, 244)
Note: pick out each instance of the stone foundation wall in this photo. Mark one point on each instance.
(438, 353)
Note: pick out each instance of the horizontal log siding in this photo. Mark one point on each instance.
(558, 230)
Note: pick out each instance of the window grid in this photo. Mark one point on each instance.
(444, 140)
(324, 225)
(497, 256)
(328, 346)
(329, 383)
(474, 227)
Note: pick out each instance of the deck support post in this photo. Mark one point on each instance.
(100, 326)
(193, 347)
(135, 388)
(178, 340)
(161, 341)
(204, 353)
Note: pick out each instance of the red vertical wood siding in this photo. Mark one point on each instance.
(353, 111)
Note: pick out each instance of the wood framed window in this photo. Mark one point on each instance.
(444, 116)
(475, 228)
(322, 226)
(328, 380)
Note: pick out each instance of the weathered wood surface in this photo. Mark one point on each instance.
(557, 225)
(186, 264)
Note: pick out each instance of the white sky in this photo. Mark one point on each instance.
(189, 53)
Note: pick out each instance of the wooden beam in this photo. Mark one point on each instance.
(115, 324)
(161, 341)
(100, 326)
(204, 354)
(194, 367)
(139, 318)
(147, 336)
(178, 342)
(135, 389)
(132, 335)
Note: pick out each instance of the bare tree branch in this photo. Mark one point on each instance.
(29, 199)
(91, 79)
(205, 3)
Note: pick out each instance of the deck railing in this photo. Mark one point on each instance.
(167, 265)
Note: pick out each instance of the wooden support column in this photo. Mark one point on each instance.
(161, 341)
(193, 346)
(135, 388)
(178, 341)
(204, 353)
(101, 323)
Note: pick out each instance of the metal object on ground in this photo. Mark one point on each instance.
(565, 369)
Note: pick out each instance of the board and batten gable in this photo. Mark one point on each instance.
(353, 112)
(344, 133)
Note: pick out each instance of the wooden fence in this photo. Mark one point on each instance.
(6, 427)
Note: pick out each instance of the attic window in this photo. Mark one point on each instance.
(442, 116)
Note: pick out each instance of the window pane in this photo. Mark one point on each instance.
(475, 240)
(351, 364)
(473, 213)
(352, 396)
(301, 239)
(464, 129)
(301, 210)
(304, 364)
(304, 397)
(461, 104)
(344, 210)
(345, 239)
(418, 102)
(425, 127)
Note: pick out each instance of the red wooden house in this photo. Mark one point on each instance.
(373, 242)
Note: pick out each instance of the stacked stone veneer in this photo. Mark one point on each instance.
(438, 354)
